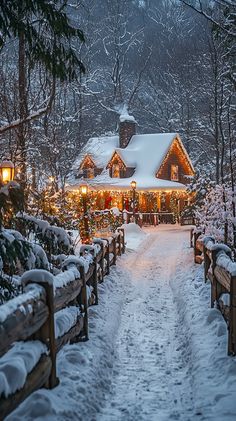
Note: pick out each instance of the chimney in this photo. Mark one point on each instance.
(127, 129)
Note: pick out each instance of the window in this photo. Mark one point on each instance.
(115, 171)
(174, 176)
(90, 172)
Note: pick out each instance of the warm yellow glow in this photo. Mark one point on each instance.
(6, 171)
(133, 184)
(6, 175)
(84, 189)
(51, 179)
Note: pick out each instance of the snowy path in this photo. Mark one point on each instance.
(150, 373)
(157, 352)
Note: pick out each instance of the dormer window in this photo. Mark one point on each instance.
(115, 171)
(174, 175)
(90, 172)
(87, 168)
(116, 166)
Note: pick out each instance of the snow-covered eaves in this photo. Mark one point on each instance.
(147, 183)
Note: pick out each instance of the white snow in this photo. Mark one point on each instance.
(64, 278)
(134, 235)
(94, 248)
(33, 292)
(225, 298)
(37, 275)
(127, 117)
(142, 149)
(226, 263)
(84, 261)
(157, 351)
(17, 363)
(65, 319)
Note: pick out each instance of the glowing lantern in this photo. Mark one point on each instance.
(84, 189)
(6, 171)
(133, 184)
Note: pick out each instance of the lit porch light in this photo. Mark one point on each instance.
(7, 171)
(83, 189)
(133, 184)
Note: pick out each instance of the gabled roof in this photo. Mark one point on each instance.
(100, 149)
(87, 157)
(145, 153)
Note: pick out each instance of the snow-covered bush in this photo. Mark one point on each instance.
(11, 200)
(198, 188)
(54, 240)
(16, 256)
(216, 216)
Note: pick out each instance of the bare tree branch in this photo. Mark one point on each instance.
(41, 111)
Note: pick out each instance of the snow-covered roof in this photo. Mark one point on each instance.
(145, 153)
(100, 149)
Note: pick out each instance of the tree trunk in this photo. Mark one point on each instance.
(23, 111)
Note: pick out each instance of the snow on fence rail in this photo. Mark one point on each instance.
(51, 312)
(220, 269)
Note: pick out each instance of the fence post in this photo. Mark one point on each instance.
(123, 239)
(84, 301)
(102, 260)
(95, 280)
(114, 250)
(232, 317)
(196, 235)
(46, 333)
(191, 237)
(107, 258)
(214, 281)
(207, 260)
(119, 243)
(216, 288)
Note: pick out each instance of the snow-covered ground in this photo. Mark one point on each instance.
(156, 350)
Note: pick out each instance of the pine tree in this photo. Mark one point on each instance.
(46, 31)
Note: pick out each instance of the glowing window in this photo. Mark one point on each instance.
(115, 171)
(174, 173)
(90, 172)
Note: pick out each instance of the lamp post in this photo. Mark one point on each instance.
(133, 185)
(84, 194)
(6, 171)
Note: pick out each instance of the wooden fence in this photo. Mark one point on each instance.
(220, 269)
(34, 313)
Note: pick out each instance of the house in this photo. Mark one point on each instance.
(158, 163)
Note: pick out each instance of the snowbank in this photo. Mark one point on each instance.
(134, 235)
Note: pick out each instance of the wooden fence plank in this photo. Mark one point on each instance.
(64, 295)
(23, 322)
(35, 380)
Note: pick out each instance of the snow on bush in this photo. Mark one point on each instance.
(33, 292)
(54, 239)
(18, 254)
(216, 216)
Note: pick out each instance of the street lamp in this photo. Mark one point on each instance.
(6, 171)
(133, 185)
(84, 194)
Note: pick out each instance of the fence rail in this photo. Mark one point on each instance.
(220, 270)
(32, 316)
